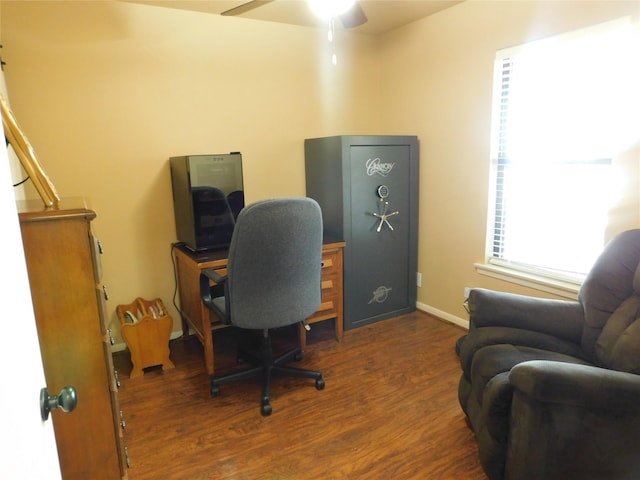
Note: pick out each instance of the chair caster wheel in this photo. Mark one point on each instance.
(320, 384)
(215, 390)
(266, 409)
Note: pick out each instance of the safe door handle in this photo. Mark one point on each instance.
(66, 401)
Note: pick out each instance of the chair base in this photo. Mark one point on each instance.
(266, 367)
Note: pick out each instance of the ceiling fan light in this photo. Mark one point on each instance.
(330, 8)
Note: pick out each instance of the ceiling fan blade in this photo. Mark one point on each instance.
(353, 17)
(245, 7)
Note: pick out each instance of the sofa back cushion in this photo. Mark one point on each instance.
(609, 284)
(618, 346)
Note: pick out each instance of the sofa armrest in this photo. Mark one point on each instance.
(560, 318)
(573, 421)
(577, 385)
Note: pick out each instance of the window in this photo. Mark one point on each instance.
(563, 108)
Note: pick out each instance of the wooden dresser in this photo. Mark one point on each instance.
(63, 261)
(201, 321)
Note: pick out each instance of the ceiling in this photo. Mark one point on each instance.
(383, 15)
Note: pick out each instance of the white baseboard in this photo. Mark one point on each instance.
(443, 315)
(119, 347)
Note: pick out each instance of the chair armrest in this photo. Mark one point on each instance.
(560, 318)
(213, 274)
(206, 292)
(577, 385)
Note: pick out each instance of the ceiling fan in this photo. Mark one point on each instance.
(352, 18)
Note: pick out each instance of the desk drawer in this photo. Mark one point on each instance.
(330, 288)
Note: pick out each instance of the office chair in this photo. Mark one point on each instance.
(273, 280)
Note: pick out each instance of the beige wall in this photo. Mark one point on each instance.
(437, 82)
(108, 91)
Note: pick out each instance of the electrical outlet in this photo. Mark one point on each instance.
(418, 279)
(467, 291)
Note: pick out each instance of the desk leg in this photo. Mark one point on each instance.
(302, 335)
(207, 340)
(208, 355)
(339, 327)
(339, 331)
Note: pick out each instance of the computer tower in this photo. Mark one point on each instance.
(367, 187)
(208, 195)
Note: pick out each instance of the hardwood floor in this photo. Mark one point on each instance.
(389, 411)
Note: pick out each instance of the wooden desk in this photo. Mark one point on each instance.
(200, 319)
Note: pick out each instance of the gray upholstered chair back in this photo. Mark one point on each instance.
(611, 305)
(275, 259)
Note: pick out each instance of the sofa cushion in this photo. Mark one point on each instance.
(612, 279)
(494, 359)
(486, 336)
(618, 346)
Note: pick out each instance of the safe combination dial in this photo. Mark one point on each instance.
(383, 193)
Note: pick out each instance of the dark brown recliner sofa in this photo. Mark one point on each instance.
(551, 388)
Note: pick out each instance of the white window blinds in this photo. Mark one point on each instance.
(564, 107)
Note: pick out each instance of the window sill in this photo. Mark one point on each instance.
(561, 288)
